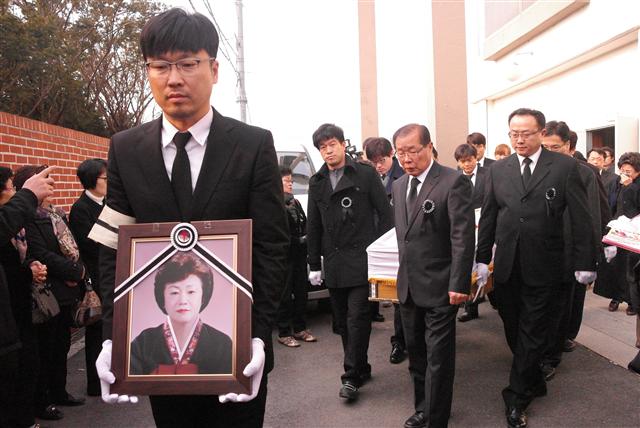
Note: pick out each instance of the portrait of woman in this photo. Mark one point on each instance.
(183, 344)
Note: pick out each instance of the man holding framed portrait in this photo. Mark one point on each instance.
(194, 164)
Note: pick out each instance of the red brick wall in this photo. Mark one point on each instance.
(24, 141)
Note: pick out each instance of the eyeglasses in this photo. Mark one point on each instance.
(381, 161)
(515, 136)
(186, 66)
(412, 153)
(627, 172)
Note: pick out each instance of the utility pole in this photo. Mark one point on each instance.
(242, 95)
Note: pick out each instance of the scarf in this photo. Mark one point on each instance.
(65, 238)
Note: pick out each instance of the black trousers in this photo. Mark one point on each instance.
(560, 308)
(577, 309)
(524, 311)
(92, 348)
(352, 318)
(54, 341)
(291, 312)
(430, 334)
(187, 411)
(9, 363)
(398, 332)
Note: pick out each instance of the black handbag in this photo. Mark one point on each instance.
(44, 303)
(89, 309)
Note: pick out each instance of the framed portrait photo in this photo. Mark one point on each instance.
(182, 308)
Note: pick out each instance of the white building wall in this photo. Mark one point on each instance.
(589, 95)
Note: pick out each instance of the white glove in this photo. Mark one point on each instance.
(103, 366)
(585, 277)
(315, 277)
(253, 370)
(610, 252)
(483, 274)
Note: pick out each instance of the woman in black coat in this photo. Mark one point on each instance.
(52, 243)
(92, 174)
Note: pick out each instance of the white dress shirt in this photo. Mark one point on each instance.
(534, 161)
(94, 198)
(473, 175)
(420, 178)
(195, 146)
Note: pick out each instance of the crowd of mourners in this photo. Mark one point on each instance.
(48, 264)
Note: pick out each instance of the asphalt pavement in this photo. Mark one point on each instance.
(588, 390)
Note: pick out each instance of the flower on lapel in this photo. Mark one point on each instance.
(346, 202)
(550, 194)
(428, 206)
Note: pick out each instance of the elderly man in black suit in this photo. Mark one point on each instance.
(347, 210)
(380, 152)
(195, 164)
(435, 231)
(523, 215)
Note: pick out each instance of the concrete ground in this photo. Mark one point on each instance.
(589, 390)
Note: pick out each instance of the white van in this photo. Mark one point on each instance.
(304, 161)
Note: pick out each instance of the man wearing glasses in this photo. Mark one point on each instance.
(194, 164)
(435, 232)
(526, 198)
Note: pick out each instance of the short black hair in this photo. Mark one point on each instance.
(630, 158)
(538, 116)
(177, 30)
(89, 170)
(24, 173)
(573, 140)
(464, 151)
(5, 175)
(285, 170)
(179, 267)
(377, 147)
(423, 132)
(558, 128)
(325, 132)
(476, 138)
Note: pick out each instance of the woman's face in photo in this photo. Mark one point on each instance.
(183, 299)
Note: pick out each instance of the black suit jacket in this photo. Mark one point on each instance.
(239, 179)
(395, 172)
(479, 187)
(435, 249)
(82, 217)
(488, 162)
(342, 235)
(513, 217)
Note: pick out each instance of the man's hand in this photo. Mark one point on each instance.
(103, 366)
(483, 274)
(41, 184)
(253, 370)
(315, 277)
(610, 252)
(585, 277)
(457, 298)
(38, 272)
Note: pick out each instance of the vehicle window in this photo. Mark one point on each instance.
(301, 167)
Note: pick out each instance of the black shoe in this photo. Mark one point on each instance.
(613, 305)
(634, 365)
(416, 420)
(50, 413)
(70, 401)
(468, 316)
(397, 354)
(516, 418)
(569, 345)
(548, 371)
(377, 317)
(348, 391)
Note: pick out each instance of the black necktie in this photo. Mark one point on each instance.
(471, 180)
(413, 197)
(181, 176)
(526, 173)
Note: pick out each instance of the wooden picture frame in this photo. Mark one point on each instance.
(163, 344)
